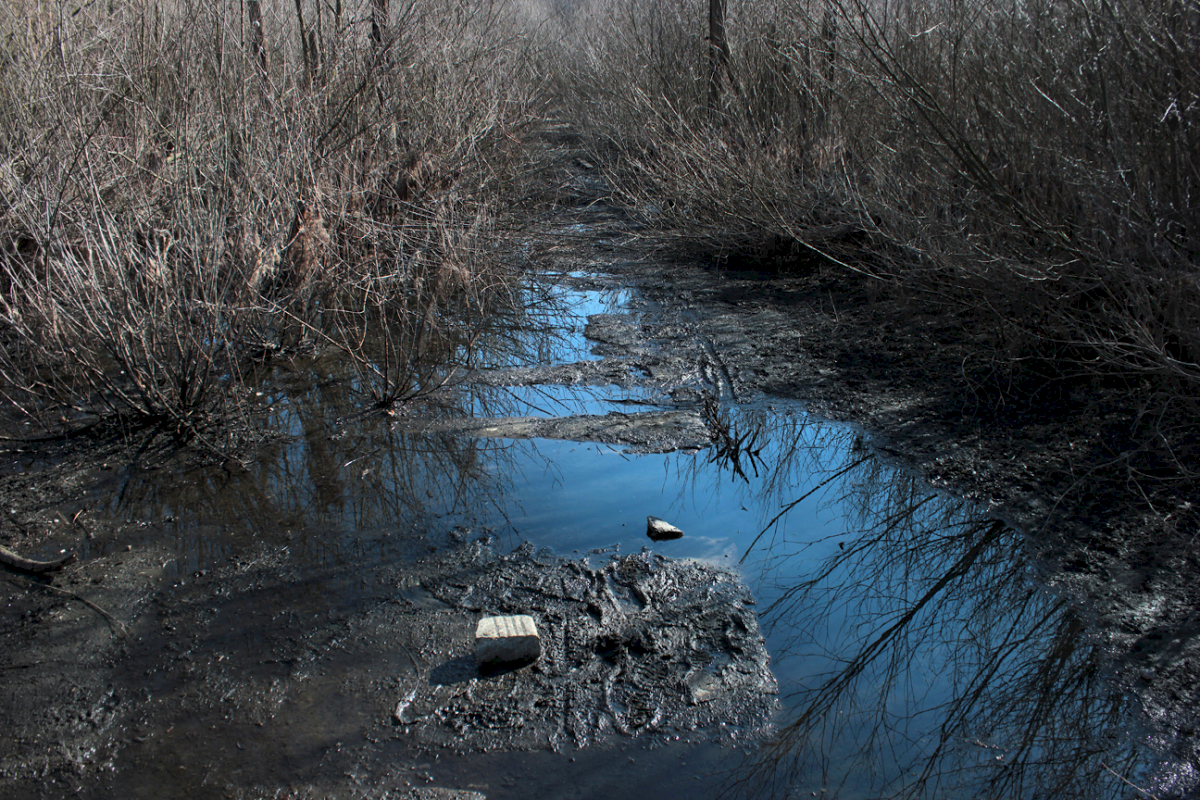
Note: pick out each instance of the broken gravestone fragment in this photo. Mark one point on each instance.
(659, 530)
(500, 641)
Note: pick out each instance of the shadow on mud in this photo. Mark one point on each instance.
(456, 670)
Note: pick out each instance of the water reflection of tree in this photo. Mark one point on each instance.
(324, 497)
(768, 452)
(341, 467)
(930, 664)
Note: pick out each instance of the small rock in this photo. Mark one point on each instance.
(658, 529)
(702, 686)
(506, 640)
(432, 793)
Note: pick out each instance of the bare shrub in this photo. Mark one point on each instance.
(183, 188)
(763, 170)
(412, 332)
(1035, 164)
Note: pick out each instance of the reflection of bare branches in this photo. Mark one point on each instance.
(789, 448)
(775, 520)
(730, 444)
(922, 660)
(342, 469)
(878, 645)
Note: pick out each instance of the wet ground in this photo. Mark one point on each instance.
(301, 626)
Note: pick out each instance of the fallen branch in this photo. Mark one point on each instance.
(112, 621)
(22, 564)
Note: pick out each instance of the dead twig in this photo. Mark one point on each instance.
(112, 621)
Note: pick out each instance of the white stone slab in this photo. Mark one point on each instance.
(506, 640)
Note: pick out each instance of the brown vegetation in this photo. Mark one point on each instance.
(1032, 166)
(185, 187)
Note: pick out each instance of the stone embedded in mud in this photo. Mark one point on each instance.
(506, 640)
(433, 793)
(658, 529)
(702, 686)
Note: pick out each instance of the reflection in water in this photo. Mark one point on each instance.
(342, 467)
(923, 660)
(916, 656)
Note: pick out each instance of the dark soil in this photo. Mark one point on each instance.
(107, 707)
(1109, 512)
(636, 645)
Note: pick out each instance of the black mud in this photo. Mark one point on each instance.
(268, 674)
(637, 645)
(271, 674)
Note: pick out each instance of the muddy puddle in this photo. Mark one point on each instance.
(302, 626)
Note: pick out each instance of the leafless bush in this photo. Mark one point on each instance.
(1035, 163)
(411, 333)
(184, 188)
(753, 173)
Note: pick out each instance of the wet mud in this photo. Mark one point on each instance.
(641, 644)
(267, 675)
(1109, 524)
(646, 432)
(281, 662)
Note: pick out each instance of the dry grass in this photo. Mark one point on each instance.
(1035, 164)
(175, 201)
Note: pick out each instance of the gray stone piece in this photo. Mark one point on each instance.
(434, 793)
(506, 640)
(659, 530)
(702, 686)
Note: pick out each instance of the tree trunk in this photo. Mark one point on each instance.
(306, 49)
(258, 44)
(718, 50)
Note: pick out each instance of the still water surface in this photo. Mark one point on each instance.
(916, 655)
